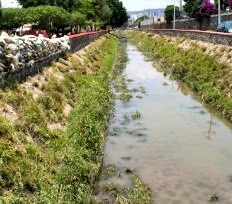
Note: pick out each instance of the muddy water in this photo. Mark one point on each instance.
(180, 149)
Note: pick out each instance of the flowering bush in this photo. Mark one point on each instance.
(230, 3)
(207, 8)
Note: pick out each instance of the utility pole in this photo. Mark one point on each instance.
(181, 8)
(174, 15)
(219, 12)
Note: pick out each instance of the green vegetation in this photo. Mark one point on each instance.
(169, 13)
(202, 73)
(136, 115)
(136, 194)
(46, 154)
(214, 198)
(119, 83)
(53, 15)
(192, 7)
(139, 20)
(132, 192)
(201, 10)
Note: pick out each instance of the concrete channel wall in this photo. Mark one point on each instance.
(208, 36)
(77, 42)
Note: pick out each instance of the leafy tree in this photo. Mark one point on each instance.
(31, 3)
(230, 3)
(169, 13)
(224, 4)
(191, 7)
(77, 20)
(49, 17)
(102, 10)
(206, 9)
(12, 18)
(119, 13)
(139, 20)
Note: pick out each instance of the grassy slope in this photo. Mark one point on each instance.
(204, 74)
(40, 165)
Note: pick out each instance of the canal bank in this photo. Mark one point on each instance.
(206, 72)
(53, 128)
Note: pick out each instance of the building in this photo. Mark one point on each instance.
(146, 12)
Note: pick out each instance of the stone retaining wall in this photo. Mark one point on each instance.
(192, 24)
(77, 42)
(212, 37)
(21, 74)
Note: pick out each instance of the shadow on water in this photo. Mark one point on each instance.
(180, 148)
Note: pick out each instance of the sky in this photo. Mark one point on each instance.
(138, 5)
(131, 5)
(9, 3)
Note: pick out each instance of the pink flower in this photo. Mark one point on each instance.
(230, 3)
(207, 8)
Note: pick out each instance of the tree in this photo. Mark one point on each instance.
(31, 3)
(12, 18)
(169, 13)
(119, 13)
(102, 11)
(49, 17)
(139, 20)
(191, 7)
(206, 9)
(224, 4)
(77, 20)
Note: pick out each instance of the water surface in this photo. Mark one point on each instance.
(179, 148)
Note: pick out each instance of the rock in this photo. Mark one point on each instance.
(11, 49)
(2, 66)
(2, 42)
(17, 52)
(4, 34)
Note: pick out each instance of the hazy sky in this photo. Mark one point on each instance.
(137, 5)
(9, 3)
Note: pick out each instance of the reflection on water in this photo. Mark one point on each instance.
(210, 132)
(178, 147)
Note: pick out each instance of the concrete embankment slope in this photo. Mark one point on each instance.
(52, 128)
(205, 67)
